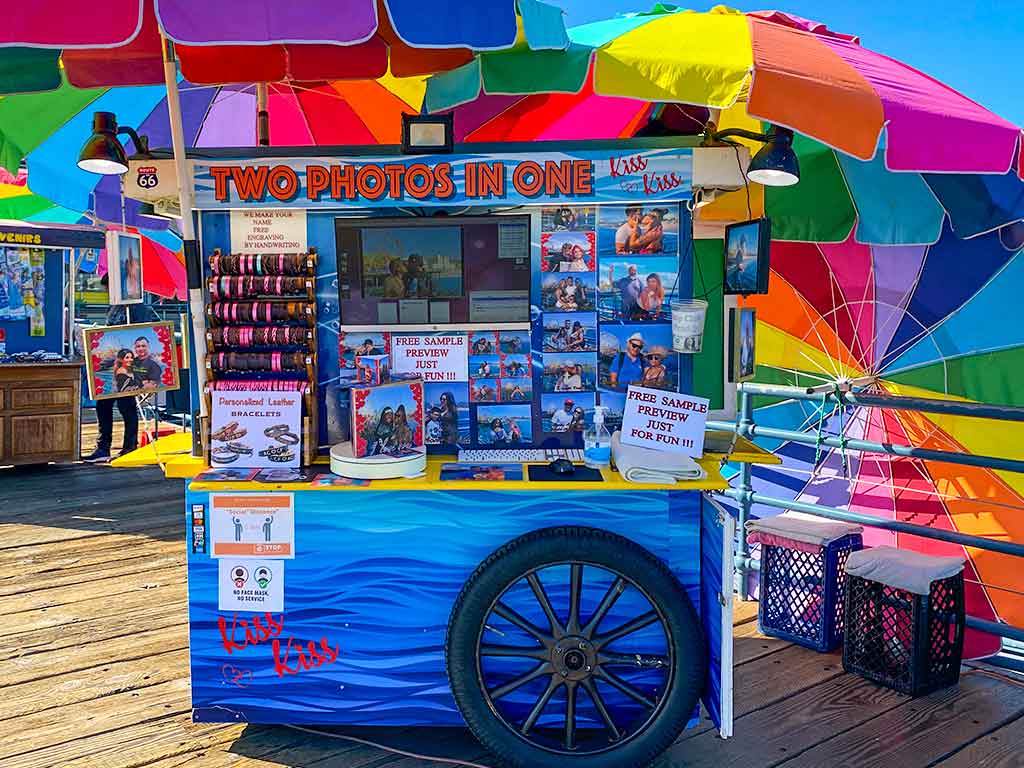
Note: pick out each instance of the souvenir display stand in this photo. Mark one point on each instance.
(572, 617)
(40, 385)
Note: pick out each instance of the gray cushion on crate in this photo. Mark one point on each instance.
(902, 568)
(807, 530)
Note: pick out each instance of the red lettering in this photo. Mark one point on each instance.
(283, 182)
(443, 186)
(306, 656)
(343, 183)
(557, 177)
(624, 166)
(654, 183)
(394, 173)
(492, 179)
(251, 635)
(582, 177)
(419, 181)
(220, 175)
(470, 171)
(250, 183)
(370, 182)
(318, 179)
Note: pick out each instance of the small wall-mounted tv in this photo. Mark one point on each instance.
(747, 247)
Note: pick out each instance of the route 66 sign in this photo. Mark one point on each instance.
(151, 180)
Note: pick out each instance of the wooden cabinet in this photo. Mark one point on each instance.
(40, 406)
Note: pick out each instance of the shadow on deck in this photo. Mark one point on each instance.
(94, 664)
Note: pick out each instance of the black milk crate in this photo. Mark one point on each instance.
(801, 597)
(904, 641)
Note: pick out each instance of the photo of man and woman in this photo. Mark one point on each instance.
(568, 251)
(352, 345)
(637, 291)
(484, 390)
(516, 390)
(483, 342)
(567, 217)
(515, 366)
(446, 408)
(569, 372)
(124, 261)
(131, 359)
(637, 354)
(504, 425)
(484, 366)
(571, 333)
(636, 229)
(412, 262)
(514, 342)
(388, 419)
(560, 414)
(569, 293)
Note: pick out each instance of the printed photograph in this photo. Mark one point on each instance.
(504, 425)
(516, 390)
(360, 344)
(566, 413)
(515, 366)
(388, 418)
(482, 472)
(514, 342)
(130, 359)
(615, 404)
(484, 366)
(567, 217)
(412, 262)
(637, 229)
(742, 325)
(484, 390)
(569, 293)
(337, 481)
(637, 290)
(741, 257)
(240, 475)
(483, 342)
(569, 372)
(124, 262)
(637, 354)
(284, 476)
(446, 408)
(571, 333)
(568, 251)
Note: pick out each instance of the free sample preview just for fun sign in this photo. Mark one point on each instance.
(584, 176)
(664, 421)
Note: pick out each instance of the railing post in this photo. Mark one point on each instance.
(746, 422)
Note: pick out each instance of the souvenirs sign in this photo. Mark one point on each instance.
(586, 176)
(664, 421)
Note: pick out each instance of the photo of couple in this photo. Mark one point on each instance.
(568, 372)
(131, 359)
(412, 263)
(577, 333)
(564, 414)
(388, 418)
(504, 425)
(637, 355)
(568, 252)
(635, 229)
(569, 294)
(567, 217)
(639, 291)
(447, 413)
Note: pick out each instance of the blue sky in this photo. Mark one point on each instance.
(973, 46)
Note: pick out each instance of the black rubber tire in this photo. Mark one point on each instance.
(591, 546)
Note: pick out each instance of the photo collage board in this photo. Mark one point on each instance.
(603, 280)
(607, 275)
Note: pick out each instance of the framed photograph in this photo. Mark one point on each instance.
(569, 293)
(123, 360)
(387, 419)
(742, 329)
(637, 354)
(124, 262)
(637, 290)
(638, 229)
(568, 251)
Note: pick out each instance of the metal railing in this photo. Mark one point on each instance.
(839, 396)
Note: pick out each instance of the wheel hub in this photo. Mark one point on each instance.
(574, 658)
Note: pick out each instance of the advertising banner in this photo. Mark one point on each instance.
(664, 421)
(256, 429)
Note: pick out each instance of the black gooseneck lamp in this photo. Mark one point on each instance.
(102, 152)
(774, 165)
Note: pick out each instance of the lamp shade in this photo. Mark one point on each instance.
(775, 164)
(102, 153)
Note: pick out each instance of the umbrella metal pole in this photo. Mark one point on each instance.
(262, 116)
(744, 494)
(193, 259)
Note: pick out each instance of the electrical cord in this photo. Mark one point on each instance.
(392, 750)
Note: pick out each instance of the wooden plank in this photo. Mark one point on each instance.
(773, 734)
(77, 686)
(1002, 748)
(72, 572)
(50, 727)
(743, 611)
(121, 518)
(922, 730)
(39, 558)
(749, 644)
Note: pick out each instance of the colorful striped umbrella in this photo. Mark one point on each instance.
(259, 40)
(788, 71)
(926, 321)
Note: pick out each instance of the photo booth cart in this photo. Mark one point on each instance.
(40, 384)
(508, 296)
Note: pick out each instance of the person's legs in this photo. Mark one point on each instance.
(105, 422)
(130, 416)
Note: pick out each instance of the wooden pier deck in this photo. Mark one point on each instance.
(94, 664)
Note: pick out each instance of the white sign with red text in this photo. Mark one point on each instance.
(432, 356)
(664, 421)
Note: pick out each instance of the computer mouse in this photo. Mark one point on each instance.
(562, 467)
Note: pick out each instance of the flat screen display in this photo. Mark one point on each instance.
(747, 246)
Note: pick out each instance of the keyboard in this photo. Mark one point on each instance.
(518, 455)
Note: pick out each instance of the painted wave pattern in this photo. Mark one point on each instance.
(377, 574)
(607, 189)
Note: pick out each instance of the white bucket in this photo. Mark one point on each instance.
(688, 325)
